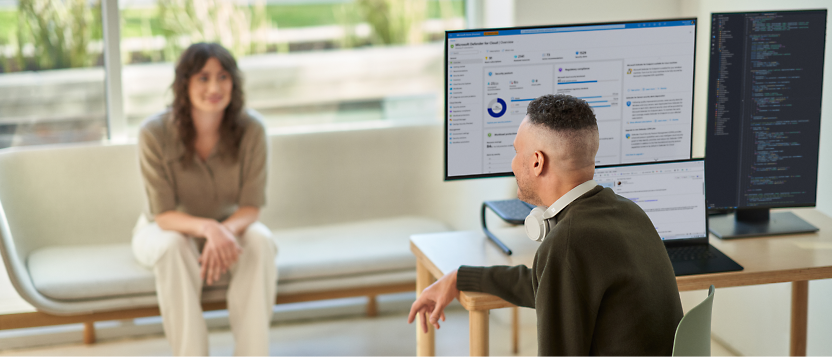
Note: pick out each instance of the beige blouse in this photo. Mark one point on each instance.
(213, 188)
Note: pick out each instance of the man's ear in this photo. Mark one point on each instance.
(538, 160)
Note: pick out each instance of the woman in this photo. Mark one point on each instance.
(204, 168)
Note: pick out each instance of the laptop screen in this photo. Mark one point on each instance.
(672, 194)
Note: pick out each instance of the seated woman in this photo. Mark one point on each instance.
(204, 168)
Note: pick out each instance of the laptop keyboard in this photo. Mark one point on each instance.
(692, 252)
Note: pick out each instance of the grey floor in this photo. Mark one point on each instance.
(386, 335)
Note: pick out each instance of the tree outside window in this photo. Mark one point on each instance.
(305, 62)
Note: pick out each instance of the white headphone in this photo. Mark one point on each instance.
(537, 223)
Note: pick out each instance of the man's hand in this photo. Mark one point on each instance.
(220, 252)
(433, 301)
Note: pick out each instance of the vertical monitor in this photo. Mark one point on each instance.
(764, 111)
(636, 76)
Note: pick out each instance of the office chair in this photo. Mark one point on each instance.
(693, 335)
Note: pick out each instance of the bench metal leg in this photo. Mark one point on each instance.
(372, 306)
(89, 332)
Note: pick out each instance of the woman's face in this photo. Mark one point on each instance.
(210, 89)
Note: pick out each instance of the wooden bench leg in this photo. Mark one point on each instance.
(372, 306)
(89, 332)
(515, 330)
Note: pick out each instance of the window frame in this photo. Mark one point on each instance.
(113, 90)
(117, 128)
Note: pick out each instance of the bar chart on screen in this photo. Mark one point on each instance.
(598, 83)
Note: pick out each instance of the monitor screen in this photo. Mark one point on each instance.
(764, 102)
(671, 193)
(637, 77)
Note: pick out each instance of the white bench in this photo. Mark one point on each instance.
(342, 205)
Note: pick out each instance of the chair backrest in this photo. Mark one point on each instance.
(78, 194)
(693, 335)
(71, 194)
(368, 172)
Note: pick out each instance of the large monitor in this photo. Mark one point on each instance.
(764, 111)
(637, 76)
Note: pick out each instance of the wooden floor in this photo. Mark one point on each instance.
(388, 335)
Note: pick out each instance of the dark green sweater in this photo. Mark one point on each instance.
(601, 283)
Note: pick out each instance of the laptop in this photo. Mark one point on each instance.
(673, 196)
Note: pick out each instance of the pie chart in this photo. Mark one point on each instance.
(497, 107)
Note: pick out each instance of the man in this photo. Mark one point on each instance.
(601, 283)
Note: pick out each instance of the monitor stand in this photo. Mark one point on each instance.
(755, 222)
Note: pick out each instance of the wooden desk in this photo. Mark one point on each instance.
(779, 259)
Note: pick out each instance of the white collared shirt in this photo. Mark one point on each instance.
(570, 196)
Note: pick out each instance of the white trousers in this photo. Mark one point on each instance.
(251, 291)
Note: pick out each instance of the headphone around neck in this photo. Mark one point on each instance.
(537, 223)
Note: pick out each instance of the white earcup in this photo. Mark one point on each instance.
(536, 225)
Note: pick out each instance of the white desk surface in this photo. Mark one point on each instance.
(773, 259)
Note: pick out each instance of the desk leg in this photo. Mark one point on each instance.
(478, 331)
(424, 341)
(800, 313)
(515, 330)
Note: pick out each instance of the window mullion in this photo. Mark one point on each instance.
(116, 122)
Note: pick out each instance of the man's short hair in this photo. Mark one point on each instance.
(560, 112)
(571, 125)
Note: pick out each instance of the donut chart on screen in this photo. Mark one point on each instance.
(499, 105)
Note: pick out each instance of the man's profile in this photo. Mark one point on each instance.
(601, 282)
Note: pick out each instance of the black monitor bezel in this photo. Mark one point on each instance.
(509, 174)
(820, 110)
(678, 241)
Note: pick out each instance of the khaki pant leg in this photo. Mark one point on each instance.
(252, 292)
(174, 260)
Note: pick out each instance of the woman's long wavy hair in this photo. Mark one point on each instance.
(231, 131)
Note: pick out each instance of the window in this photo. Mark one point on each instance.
(51, 72)
(305, 62)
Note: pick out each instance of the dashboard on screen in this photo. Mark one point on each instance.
(637, 77)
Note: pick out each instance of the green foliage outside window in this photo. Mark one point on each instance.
(55, 34)
(60, 32)
(394, 21)
(240, 29)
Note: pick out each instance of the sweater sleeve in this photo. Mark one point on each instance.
(511, 283)
(565, 315)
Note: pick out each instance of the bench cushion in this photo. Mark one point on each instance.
(347, 249)
(306, 257)
(89, 272)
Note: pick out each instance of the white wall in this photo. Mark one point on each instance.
(551, 12)
(498, 13)
(489, 13)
